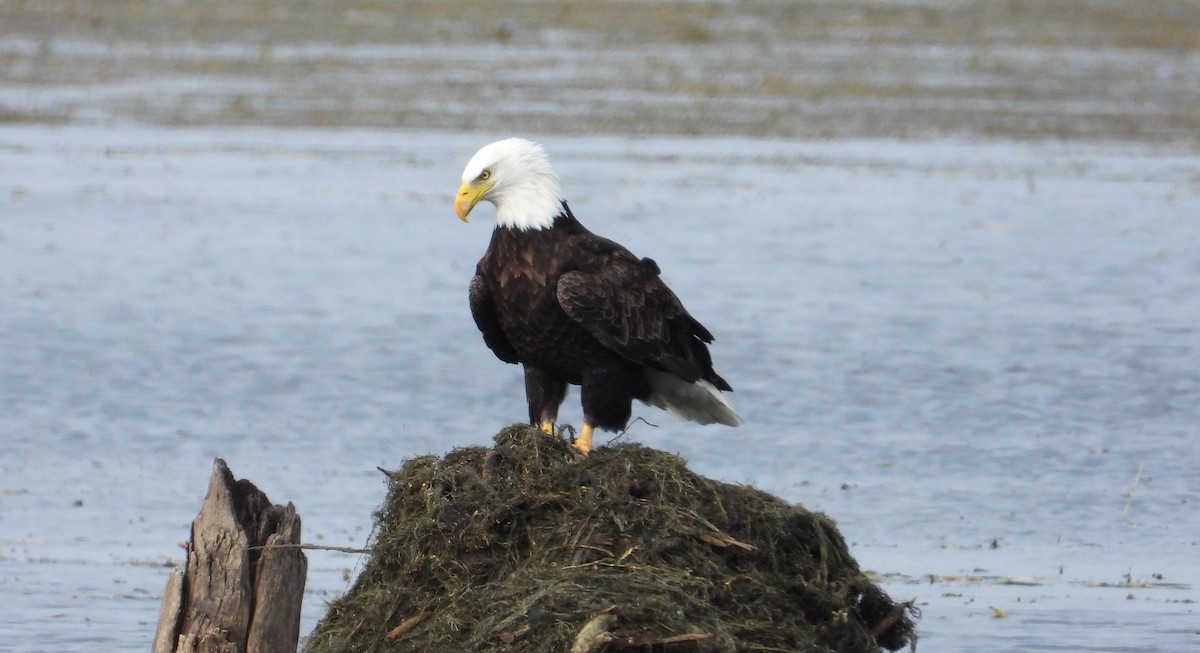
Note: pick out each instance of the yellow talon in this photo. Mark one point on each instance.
(583, 443)
(548, 428)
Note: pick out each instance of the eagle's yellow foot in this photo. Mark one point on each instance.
(548, 428)
(583, 443)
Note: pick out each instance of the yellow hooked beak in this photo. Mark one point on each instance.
(468, 196)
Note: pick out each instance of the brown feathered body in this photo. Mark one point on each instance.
(575, 308)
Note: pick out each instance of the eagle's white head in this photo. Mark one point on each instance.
(515, 175)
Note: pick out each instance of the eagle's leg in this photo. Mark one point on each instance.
(583, 443)
(606, 394)
(544, 394)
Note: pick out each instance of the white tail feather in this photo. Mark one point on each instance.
(699, 402)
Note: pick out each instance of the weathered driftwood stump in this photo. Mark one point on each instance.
(243, 585)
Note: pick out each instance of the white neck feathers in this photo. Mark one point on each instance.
(525, 191)
(530, 205)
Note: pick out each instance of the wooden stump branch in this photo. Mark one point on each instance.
(237, 593)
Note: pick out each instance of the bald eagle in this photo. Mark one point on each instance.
(575, 308)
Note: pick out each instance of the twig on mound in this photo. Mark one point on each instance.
(628, 552)
(310, 547)
(723, 541)
(717, 538)
(628, 426)
(892, 617)
(489, 463)
(585, 547)
(635, 421)
(595, 633)
(686, 637)
(694, 515)
(643, 642)
(405, 627)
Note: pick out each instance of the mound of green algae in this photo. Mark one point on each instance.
(518, 547)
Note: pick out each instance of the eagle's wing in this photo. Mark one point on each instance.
(625, 305)
(484, 312)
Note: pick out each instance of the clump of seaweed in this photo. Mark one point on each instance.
(528, 547)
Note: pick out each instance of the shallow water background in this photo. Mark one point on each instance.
(976, 350)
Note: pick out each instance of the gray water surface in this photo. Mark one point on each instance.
(982, 360)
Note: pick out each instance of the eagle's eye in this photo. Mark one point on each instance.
(485, 175)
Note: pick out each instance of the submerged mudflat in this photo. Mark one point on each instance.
(1090, 69)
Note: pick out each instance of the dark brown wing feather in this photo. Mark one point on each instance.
(622, 302)
(484, 312)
